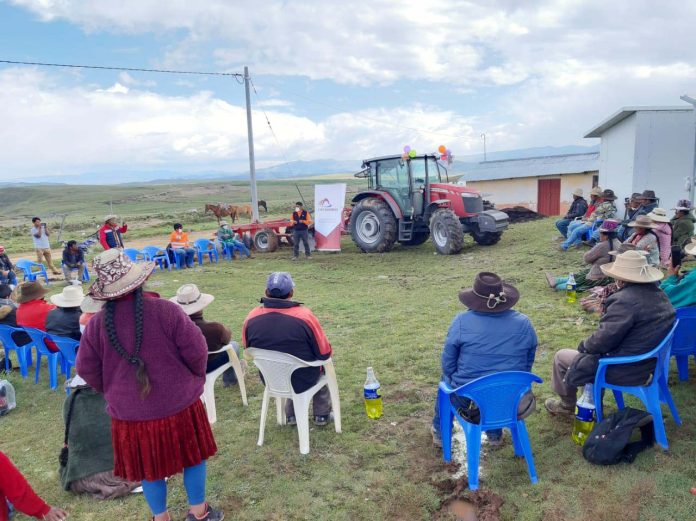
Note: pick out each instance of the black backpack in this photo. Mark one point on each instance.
(608, 443)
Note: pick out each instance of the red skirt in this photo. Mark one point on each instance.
(155, 449)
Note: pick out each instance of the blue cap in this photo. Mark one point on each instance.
(279, 284)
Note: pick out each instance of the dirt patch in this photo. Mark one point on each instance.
(476, 505)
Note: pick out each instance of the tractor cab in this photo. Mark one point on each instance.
(408, 200)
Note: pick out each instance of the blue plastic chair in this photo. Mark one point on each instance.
(28, 269)
(684, 344)
(68, 351)
(158, 256)
(135, 255)
(497, 397)
(85, 274)
(652, 394)
(38, 340)
(204, 246)
(23, 352)
(595, 226)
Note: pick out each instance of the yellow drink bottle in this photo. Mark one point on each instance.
(373, 398)
(571, 290)
(584, 420)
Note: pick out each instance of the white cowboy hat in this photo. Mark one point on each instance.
(632, 266)
(117, 275)
(223, 223)
(110, 217)
(690, 248)
(596, 191)
(659, 215)
(89, 305)
(578, 192)
(71, 297)
(190, 299)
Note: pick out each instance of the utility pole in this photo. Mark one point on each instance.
(250, 138)
(483, 136)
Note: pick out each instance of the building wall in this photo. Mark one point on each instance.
(523, 191)
(664, 154)
(616, 158)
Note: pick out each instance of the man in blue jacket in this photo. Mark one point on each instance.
(489, 338)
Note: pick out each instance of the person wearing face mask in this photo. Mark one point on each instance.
(300, 226)
(229, 238)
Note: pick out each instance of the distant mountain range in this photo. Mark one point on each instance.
(290, 170)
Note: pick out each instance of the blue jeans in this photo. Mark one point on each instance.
(575, 233)
(240, 247)
(185, 256)
(460, 403)
(155, 492)
(10, 279)
(562, 225)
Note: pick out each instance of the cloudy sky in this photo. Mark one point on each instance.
(337, 79)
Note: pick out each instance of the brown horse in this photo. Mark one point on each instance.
(244, 209)
(222, 210)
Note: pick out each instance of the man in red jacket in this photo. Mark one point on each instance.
(284, 325)
(33, 309)
(15, 489)
(111, 234)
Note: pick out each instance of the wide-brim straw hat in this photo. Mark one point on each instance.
(89, 305)
(110, 217)
(71, 297)
(33, 290)
(690, 248)
(596, 191)
(642, 221)
(578, 192)
(191, 300)
(632, 266)
(659, 215)
(489, 294)
(117, 275)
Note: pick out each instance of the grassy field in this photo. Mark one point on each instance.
(391, 312)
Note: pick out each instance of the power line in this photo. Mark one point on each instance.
(237, 75)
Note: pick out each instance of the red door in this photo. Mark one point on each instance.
(549, 197)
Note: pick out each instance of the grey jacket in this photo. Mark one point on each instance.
(637, 318)
(597, 256)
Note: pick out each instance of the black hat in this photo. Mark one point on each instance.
(609, 195)
(298, 203)
(489, 294)
(649, 194)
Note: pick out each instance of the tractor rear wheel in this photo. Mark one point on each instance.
(416, 239)
(486, 238)
(266, 240)
(373, 226)
(446, 232)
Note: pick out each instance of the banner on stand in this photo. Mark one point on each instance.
(328, 215)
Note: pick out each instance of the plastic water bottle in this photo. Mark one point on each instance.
(373, 399)
(571, 290)
(584, 416)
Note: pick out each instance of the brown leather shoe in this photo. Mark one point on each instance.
(559, 407)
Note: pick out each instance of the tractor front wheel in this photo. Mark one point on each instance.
(486, 238)
(373, 226)
(446, 232)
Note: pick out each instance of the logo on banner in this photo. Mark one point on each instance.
(325, 203)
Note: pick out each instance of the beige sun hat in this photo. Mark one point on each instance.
(578, 192)
(71, 297)
(632, 266)
(642, 221)
(596, 191)
(89, 305)
(117, 275)
(110, 217)
(690, 248)
(190, 299)
(659, 215)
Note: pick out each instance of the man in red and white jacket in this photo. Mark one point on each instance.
(15, 489)
(284, 325)
(111, 234)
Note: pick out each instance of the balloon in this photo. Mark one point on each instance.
(407, 149)
(448, 152)
(412, 153)
(443, 157)
(442, 149)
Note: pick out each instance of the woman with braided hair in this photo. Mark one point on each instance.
(152, 379)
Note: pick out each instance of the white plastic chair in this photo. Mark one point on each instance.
(277, 368)
(208, 396)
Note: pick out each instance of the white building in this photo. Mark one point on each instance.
(647, 148)
(543, 184)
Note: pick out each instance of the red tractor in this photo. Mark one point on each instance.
(407, 201)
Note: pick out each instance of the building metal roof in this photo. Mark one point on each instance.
(625, 112)
(532, 167)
